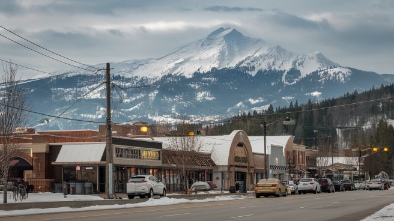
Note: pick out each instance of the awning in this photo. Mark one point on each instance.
(18, 163)
(80, 154)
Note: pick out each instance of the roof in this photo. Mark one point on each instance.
(219, 146)
(195, 160)
(81, 153)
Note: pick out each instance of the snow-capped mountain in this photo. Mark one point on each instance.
(228, 48)
(210, 79)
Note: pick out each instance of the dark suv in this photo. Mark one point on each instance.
(349, 185)
(326, 185)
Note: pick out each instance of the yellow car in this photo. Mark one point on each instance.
(270, 186)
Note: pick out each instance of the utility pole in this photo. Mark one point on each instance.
(108, 144)
(265, 150)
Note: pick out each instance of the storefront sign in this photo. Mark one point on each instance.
(148, 154)
(240, 159)
(89, 168)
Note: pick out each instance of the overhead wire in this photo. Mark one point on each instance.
(45, 54)
(46, 48)
(54, 116)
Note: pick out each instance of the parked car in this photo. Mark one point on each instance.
(10, 186)
(349, 185)
(338, 185)
(309, 185)
(270, 186)
(212, 184)
(145, 185)
(361, 185)
(375, 184)
(200, 186)
(293, 187)
(326, 185)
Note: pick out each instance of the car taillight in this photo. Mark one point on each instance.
(370, 183)
(311, 183)
(273, 185)
(379, 183)
(257, 185)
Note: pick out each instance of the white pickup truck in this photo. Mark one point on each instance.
(145, 185)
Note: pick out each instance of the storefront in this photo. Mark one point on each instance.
(239, 158)
(135, 157)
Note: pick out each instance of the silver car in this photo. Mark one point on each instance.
(145, 185)
(309, 185)
(293, 187)
(375, 184)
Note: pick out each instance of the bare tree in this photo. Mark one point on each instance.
(323, 156)
(12, 116)
(187, 149)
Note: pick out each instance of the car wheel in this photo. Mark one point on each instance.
(164, 192)
(150, 194)
(315, 191)
(257, 195)
(131, 197)
(286, 193)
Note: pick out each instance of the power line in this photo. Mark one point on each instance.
(45, 54)
(80, 99)
(48, 115)
(46, 49)
(26, 67)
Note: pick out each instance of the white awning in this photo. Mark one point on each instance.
(80, 153)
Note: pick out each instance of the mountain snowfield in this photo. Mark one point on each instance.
(208, 80)
(226, 48)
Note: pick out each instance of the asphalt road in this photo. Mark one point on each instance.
(354, 205)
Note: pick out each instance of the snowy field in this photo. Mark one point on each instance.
(386, 214)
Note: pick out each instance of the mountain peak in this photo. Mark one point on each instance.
(225, 33)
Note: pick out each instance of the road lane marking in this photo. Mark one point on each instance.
(246, 207)
(177, 214)
(236, 217)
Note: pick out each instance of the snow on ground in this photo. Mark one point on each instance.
(387, 213)
(57, 197)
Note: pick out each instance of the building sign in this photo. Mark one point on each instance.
(240, 159)
(150, 155)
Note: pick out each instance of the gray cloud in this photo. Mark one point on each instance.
(231, 9)
(293, 21)
(9, 7)
(351, 33)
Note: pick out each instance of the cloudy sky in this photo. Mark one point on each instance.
(353, 33)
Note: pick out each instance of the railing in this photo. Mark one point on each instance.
(41, 185)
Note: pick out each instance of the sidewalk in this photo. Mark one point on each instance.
(56, 200)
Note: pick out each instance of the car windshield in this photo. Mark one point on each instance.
(305, 180)
(137, 178)
(267, 181)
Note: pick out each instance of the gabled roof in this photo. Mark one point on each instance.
(219, 146)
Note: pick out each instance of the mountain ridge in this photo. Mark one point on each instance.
(210, 79)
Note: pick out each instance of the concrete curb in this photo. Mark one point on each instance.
(80, 204)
